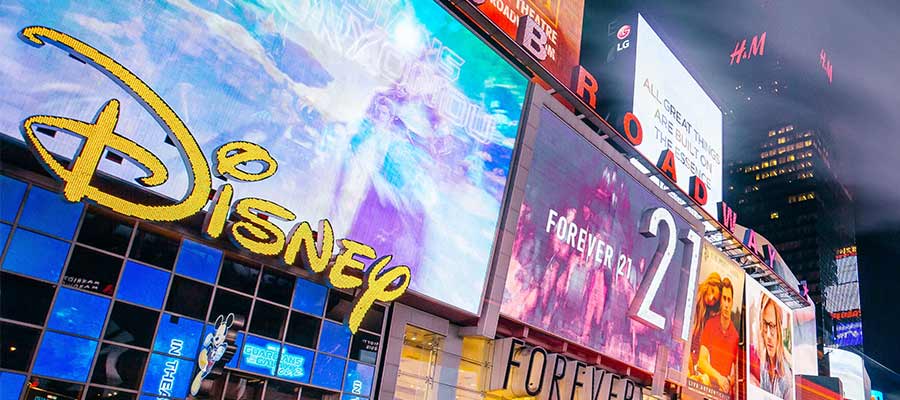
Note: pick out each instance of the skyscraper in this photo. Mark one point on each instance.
(783, 183)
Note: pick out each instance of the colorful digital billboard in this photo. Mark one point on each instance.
(560, 23)
(597, 258)
(851, 370)
(769, 345)
(716, 329)
(806, 358)
(390, 119)
(814, 387)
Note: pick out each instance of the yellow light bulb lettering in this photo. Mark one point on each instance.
(214, 222)
(314, 253)
(379, 286)
(229, 156)
(255, 233)
(99, 135)
(339, 276)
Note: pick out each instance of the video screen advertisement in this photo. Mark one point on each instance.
(806, 358)
(559, 20)
(770, 373)
(640, 75)
(850, 369)
(814, 387)
(391, 119)
(716, 329)
(597, 258)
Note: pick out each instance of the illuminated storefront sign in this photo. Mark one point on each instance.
(522, 370)
(597, 258)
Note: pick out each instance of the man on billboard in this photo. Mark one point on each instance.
(719, 343)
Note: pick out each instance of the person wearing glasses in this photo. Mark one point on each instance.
(775, 375)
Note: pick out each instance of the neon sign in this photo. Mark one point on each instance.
(265, 357)
(253, 231)
(741, 52)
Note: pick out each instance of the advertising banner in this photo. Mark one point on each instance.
(814, 387)
(850, 369)
(390, 119)
(716, 329)
(560, 21)
(597, 258)
(770, 372)
(806, 359)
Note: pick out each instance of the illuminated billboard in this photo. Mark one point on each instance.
(677, 127)
(598, 258)
(398, 130)
(769, 345)
(806, 360)
(716, 329)
(557, 45)
(850, 369)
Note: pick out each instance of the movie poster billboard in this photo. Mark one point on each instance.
(770, 373)
(716, 329)
(806, 359)
(583, 258)
(560, 21)
(391, 119)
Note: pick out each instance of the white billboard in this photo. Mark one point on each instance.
(676, 114)
(850, 369)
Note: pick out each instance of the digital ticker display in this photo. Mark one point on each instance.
(391, 119)
(588, 242)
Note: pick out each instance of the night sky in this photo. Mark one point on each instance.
(861, 108)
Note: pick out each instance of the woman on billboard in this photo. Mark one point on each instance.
(708, 294)
(772, 369)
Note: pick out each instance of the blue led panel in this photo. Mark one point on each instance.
(295, 363)
(143, 285)
(359, 379)
(335, 339)
(64, 357)
(36, 255)
(12, 385)
(168, 376)
(199, 261)
(351, 397)
(178, 336)
(259, 355)
(79, 313)
(309, 297)
(238, 342)
(328, 372)
(50, 212)
(4, 234)
(13, 191)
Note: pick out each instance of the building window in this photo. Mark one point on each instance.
(797, 198)
(418, 361)
(473, 367)
(773, 215)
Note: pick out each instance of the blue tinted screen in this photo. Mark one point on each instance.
(335, 339)
(359, 379)
(79, 313)
(143, 285)
(13, 191)
(295, 363)
(65, 357)
(178, 336)
(259, 355)
(168, 376)
(36, 255)
(12, 385)
(309, 297)
(328, 372)
(50, 212)
(199, 261)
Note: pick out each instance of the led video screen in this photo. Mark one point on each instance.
(769, 345)
(391, 119)
(676, 114)
(581, 258)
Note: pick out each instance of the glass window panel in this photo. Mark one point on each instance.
(303, 330)
(4, 234)
(13, 192)
(373, 319)
(178, 336)
(268, 320)
(154, 249)
(119, 366)
(277, 390)
(335, 339)
(95, 393)
(227, 302)
(295, 363)
(131, 325)
(79, 313)
(12, 385)
(36, 255)
(276, 286)
(189, 297)
(259, 355)
(244, 388)
(64, 357)
(199, 261)
(310, 393)
(339, 306)
(168, 376)
(93, 271)
(24, 299)
(421, 349)
(238, 276)
(328, 372)
(359, 379)
(17, 345)
(365, 347)
(51, 213)
(62, 390)
(143, 285)
(105, 232)
(309, 297)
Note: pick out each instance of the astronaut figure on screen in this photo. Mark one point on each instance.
(214, 347)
